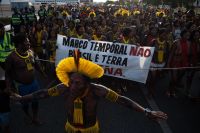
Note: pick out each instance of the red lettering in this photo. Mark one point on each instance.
(133, 51)
(147, 53)
(118, 71)
(140, 52)
(108, 70)
(112, 71)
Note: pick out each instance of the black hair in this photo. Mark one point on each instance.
(1, 25)
(189, 25)
(183, 32)
(78, 27)
(161, 31)
(19, 39)
(126, 31)
(192, 35)
(86, 78)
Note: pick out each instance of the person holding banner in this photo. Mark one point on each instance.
(159, 59)
(82, 95)
(80, 32)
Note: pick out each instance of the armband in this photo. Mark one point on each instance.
(53, 91)
(147, 111)
(112, 96)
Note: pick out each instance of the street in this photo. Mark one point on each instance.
(183, 114)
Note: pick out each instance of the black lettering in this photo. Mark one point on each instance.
(92, 44)
(121, 50)
(119, 60)
(102, 47)
(125, 50)
(109, 59)
(77, 44)
(113, 61)
(80, 44)
(117, 49)
(124, 62)
(84, 55)
(104, 56)
(107, 47)
(96, 57)
(66, 41)
(85, 44)
(72, 43)
(71, 52)
(112, 48)
(96, 46)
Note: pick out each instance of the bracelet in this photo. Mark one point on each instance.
(147, 111)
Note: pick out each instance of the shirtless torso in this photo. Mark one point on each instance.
(20, 68)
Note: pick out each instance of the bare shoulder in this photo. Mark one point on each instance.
(100, 90)
(57, 90)
(61, 86)
(11, 56)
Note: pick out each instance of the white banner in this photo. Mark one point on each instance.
(119, 60)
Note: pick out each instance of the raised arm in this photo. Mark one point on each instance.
(112, 96)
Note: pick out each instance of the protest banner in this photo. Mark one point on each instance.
(120, 60)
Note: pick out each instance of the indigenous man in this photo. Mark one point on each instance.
(159, 59)
(82, 95)
(21, 72)
(80, 32)
(179, 57)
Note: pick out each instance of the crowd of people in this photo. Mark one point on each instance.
(175, 36)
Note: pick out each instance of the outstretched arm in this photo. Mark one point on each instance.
(155, 115)
(44, 93)
(112, 96)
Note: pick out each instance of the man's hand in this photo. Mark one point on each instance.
(157, 115)
(16, 97)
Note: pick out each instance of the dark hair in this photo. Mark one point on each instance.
(183, 32)
(192, 35)
(189, 25)
(19, 39)
(86, 79)
(1, 25)
(126, 31)
(161, 31)
(78, 27)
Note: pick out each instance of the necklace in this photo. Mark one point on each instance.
(125, 41)
(78, 109)
(24, 57)
(79, 37)
(159, 42)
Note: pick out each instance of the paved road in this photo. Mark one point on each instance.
(183, 114)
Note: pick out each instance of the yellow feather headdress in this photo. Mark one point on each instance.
(136, 12)
(92, 13)
(77, 64)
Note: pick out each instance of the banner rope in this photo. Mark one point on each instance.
(153, 69)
